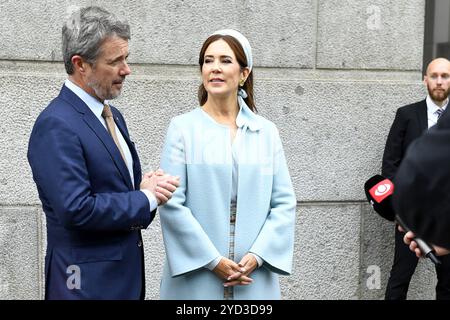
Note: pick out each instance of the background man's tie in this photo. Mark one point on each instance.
(111, 125)
(439, 113)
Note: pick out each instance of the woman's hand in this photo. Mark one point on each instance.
(246, 266)
(227, 268)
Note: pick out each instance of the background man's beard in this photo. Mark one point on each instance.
(439, 95)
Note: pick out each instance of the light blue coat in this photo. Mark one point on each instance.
(195, 222)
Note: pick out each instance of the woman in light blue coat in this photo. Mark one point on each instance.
(229, 228)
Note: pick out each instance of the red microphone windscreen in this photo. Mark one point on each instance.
(382, 190)
(379, 192)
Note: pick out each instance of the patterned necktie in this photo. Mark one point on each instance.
(110, 124)
(439, 113)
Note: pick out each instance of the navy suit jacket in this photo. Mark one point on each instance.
(93, 213)
(410, 123)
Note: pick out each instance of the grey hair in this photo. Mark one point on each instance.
(84, 32)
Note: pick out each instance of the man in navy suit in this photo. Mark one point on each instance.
(410, 123)
(87, 171)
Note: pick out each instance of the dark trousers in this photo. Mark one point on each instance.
(405, 262)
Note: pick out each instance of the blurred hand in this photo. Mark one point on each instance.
(149, 174)
(409, 240)
(226, 267)
(161, 185)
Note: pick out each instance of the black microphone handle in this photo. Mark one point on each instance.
(429, 252)
(426, 249)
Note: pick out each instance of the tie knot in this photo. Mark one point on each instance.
(439, 112)
(106, 111)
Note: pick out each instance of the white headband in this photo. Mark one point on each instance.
(242, 40)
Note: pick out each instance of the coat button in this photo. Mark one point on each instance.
(139, 243)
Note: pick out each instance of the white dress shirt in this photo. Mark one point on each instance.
(432, 107)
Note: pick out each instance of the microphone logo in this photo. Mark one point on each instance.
(382, 190)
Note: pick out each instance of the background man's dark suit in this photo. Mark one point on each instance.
(410, 123)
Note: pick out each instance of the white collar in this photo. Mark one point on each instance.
(432, 107)
(93, 104)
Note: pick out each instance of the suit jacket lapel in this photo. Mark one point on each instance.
(100, 131)
(422, 115)
(107, 140)
(136, 164)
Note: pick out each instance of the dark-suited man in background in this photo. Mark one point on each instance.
(87, 171)
(411, 122)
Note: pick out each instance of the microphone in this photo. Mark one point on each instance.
(379, 192)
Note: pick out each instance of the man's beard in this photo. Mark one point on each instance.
(102, 92)
(438, 95)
